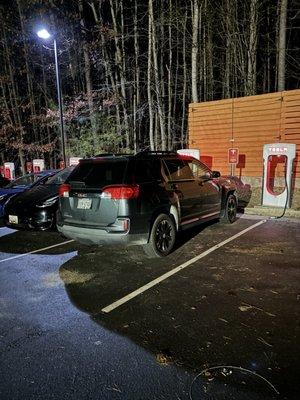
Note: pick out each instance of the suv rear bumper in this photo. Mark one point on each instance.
(101, 236)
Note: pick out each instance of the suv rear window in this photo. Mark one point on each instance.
(99, 174)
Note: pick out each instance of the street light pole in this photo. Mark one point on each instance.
(45, 35)
(59, 97)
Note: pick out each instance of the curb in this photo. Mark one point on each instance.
(272, 212)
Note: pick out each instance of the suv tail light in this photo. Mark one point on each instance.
(64, 190)
(118, 192)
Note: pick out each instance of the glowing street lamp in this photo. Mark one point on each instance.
(45, 35)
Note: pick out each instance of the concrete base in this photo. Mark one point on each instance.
(272, 211)
(256, 196)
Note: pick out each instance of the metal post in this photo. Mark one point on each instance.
(59, 97)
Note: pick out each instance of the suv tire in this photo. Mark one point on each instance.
(162, 237)
(230, 210)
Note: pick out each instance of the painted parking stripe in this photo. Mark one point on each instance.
(161, 278)
(36, 251)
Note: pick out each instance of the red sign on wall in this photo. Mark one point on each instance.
(233, 156)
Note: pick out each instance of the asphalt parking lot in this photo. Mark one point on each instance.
(217, 319)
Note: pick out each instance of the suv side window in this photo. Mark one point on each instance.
(199, 170)
(178, 169)
(147, 171)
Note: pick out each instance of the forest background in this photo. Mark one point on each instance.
(129, 69)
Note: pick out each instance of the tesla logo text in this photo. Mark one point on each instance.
(278, 149)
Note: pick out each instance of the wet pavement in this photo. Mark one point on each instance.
(224, 327)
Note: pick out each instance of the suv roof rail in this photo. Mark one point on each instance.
(111, 155)
(154, 152)
(104, 155)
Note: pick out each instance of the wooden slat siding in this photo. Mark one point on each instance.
(291, 123)
(254, 120)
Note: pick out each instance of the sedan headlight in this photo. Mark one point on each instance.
(48, 202)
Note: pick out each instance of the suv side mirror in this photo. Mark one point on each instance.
(207, 176)
(216, 174)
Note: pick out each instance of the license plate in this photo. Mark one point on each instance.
(13, 219)
(84, 204)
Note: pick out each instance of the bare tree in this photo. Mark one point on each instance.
(252, 48)
(156, 78)
(149, 78)
(120, 62)
(195, 46)
(282, 45)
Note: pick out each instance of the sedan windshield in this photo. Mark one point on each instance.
(25, 180)
(60, 177)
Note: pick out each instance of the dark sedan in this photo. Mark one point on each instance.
(36, 207)
(21, 184)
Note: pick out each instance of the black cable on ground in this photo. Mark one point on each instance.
(287, 197)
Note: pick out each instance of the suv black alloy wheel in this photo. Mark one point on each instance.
(162, 237)
(230, 209)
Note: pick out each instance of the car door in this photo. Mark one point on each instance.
(211, 192)
(182, 183)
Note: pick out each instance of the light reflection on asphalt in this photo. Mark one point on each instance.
(6, 231)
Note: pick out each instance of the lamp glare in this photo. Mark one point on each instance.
(43, 34)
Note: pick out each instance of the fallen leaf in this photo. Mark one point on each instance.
(223, 320)
(245, 308)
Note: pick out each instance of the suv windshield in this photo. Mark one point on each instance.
(100, 173)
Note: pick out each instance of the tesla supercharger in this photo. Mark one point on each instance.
(74, 160)
(9, 170)
(190, 152)
(278, 171)
(38, 165)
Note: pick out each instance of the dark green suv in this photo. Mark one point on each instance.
(141, 199)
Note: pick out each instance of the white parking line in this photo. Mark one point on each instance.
(36, 251)
(161, 278)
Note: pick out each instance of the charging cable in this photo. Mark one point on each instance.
(287, 197)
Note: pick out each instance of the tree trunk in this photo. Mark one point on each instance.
(156, 79)
(14, 98)
(210, 66)
(149, 77)
(184, 89)
(121, 66)
(106, 61)
(170, 66)
(251, 70)
(28, 75)
(87, 74)
(137, 96)
(228, 49)
(195, 45)
(282, 46)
